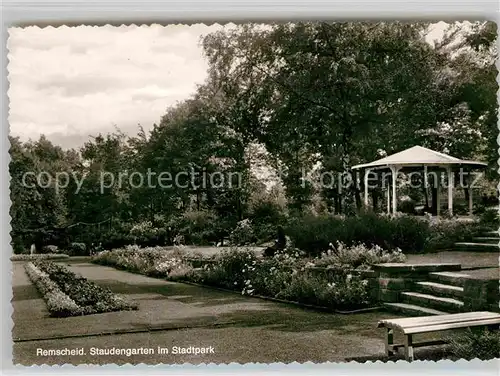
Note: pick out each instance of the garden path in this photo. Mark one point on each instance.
(240, 328)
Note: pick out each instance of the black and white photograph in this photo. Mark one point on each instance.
(254, 192)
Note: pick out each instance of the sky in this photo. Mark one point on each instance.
(72, 82)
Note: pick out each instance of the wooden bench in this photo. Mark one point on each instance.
(427, 324)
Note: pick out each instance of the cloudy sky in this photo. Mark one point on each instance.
(69, 83)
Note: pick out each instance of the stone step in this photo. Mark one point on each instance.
(475, 247)
(440, 289)
(392, 268)
(493, 233)
(448, 278)
(487, 239)
(432, 301)
(412, 310)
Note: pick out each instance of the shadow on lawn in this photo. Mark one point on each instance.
(280, 316)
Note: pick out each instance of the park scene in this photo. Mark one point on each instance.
(289, 192)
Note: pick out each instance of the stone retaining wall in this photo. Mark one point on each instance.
(481, 295)
(394, 278)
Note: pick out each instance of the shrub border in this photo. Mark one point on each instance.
(261, 297)
(291, 302)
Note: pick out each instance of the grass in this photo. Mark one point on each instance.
(241, 329)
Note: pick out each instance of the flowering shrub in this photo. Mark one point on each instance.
(345, 292)
(152, 261)
(243, 234)
(411, 234)
(143, 229)
(230, 269)
(38, 256)
(68, 294)
(78, 249)
(286, 275)
(358, 256)
(444, 233)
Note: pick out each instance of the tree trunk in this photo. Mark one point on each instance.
(357, 198)
(466, 193)
(426, 197)
(375, 197)
(434, 193)
(338, 204)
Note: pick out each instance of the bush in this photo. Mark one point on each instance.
(18, 246)
(407, 207)
(78, 249)
(146, 234)
(444, 233)
(243, 234)
(198, 227)
(151, 261)
(230, 269)
(470, 344)
(285, 275)
(314, 234)
(266, 211)
(358, 256)
(39, 256)
(489, 218)
(50, 249)
(115, 238)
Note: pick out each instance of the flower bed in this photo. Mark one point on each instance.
(68, 294)
(58, 303)
(39, 256)
(285, 276)
(150, 261)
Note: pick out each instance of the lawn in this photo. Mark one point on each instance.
(174, 314)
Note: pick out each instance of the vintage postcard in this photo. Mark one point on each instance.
(288, 192)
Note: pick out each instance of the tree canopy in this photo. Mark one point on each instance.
(291, 97)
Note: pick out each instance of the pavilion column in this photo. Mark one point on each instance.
(450, 191)
(388, 198)
(426, 178)
(469, 190)
(438, 195)
(394, 170)
(470, 202)
(367, 173)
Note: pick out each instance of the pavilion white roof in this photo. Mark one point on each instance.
(418, 156)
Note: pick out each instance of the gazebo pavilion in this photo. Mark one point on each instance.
(417, 158)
